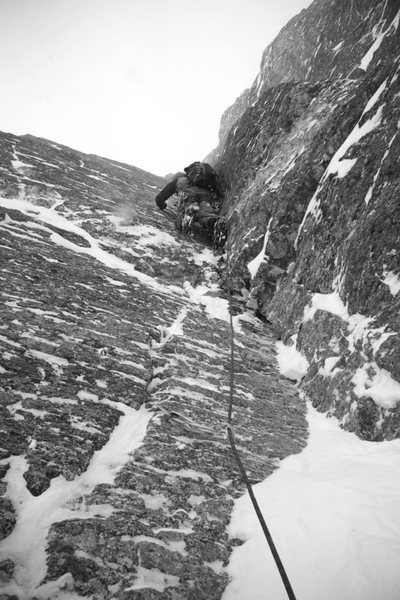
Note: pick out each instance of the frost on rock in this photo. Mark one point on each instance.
(317, 151)
(254, 265)
(117, 476)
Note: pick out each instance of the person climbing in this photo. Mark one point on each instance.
(199, 193)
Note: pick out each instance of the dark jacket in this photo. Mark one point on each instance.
(167, 191)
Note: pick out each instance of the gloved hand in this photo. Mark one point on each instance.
(161, 203)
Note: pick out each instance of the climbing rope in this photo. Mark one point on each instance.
(231, 437)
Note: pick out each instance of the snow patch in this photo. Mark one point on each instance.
(336, 48)
(378, 385)
(26, 545)
(328, 370)
(10, 342)
(153, 579)
(255, 264)
(374, 99)
(197, 382)
(94, 250)
(190, 474)
(291, 363)
(365, 61)
(344, 167)
(334, 513)
(392, 281)
(55, 361)
(20, 166)
(341, 166)
(358, 325)
(328, 302)
(167, 333)
(205, 256)
(216, 307)
(85, 395)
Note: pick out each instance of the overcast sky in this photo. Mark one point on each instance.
(140, 81)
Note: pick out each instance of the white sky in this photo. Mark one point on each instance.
(141, 81)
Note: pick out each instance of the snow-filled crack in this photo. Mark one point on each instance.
(26, 545)
(93, 247)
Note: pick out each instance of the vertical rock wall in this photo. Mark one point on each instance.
(327, 40)
(316, 156)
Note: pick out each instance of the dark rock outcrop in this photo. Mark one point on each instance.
(313, 166)
(327, 40)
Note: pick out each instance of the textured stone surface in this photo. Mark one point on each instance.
(328, 40)
(107, 309)
(316, 156)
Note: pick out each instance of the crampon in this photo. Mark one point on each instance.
(188, 218)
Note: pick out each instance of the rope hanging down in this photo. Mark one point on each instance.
(231, 437)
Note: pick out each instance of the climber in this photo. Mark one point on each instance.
(199, 193)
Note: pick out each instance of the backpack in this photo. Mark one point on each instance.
(202, 175)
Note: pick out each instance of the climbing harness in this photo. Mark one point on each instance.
(188, 219)
(186, 213)
(191, 210)
(231, 437)
(219, 235)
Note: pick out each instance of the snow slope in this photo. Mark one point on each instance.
(334, 513)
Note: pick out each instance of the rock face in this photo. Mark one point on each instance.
(117, 477)
(327, 40)
(311, 171)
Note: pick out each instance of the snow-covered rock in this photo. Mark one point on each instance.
(314, 158)
(117, 475)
